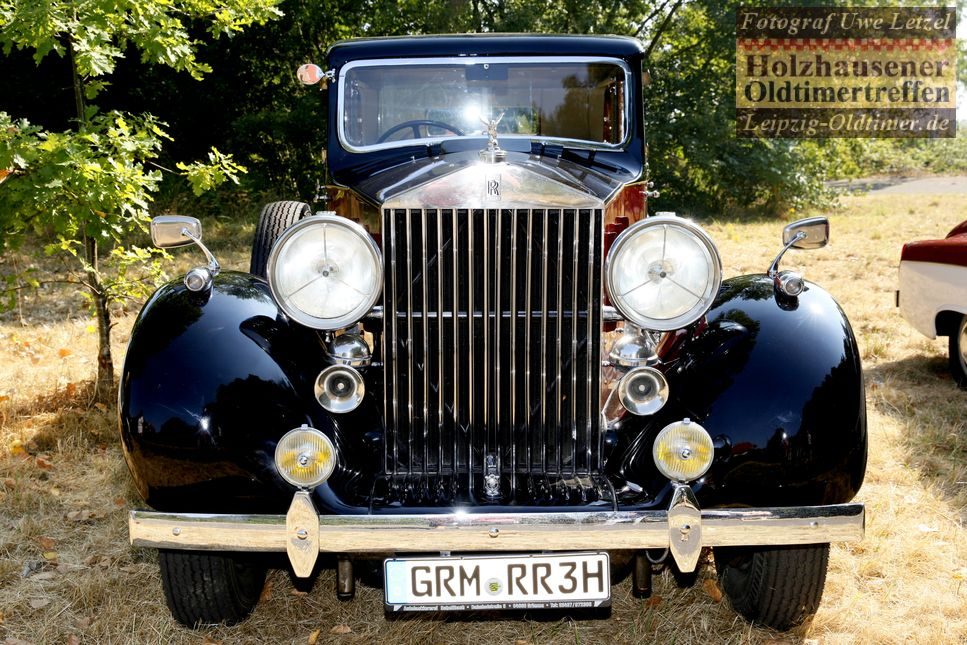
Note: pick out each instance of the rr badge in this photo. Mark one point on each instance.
(493, 188)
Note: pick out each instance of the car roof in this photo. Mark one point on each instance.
(483, 45)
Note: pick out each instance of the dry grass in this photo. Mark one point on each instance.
(64, 489)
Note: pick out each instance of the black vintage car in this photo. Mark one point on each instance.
(482, 365)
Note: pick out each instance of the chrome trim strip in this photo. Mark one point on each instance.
(574, 348)
(439, 347)
(472, 364)
(486, 333)
(514, 531)
(396, 393)
(560, 319)
(426, 344)
(590, 336)
(544, 347)
(409, 62)
(456, 337)
(498, 309)
(382, 353)
(527, 339)
(513, 352)
(409, 336)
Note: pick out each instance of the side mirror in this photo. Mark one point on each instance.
(169, 231)
(809, 233)
(309, 74)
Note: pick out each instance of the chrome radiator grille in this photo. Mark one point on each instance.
(492, 321)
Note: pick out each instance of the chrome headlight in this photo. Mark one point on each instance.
(663, 273)
(325, 272)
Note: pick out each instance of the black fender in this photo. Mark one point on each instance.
(210, 383)
(778, 384)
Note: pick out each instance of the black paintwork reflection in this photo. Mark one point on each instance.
(210, 384)
(208, 387)
(780, 390)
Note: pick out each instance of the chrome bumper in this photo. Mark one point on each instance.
(683, 529)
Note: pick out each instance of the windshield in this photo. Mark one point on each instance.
(386, 104)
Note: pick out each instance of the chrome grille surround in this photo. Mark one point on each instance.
(534, 409)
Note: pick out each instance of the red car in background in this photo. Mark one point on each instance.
(933, 292)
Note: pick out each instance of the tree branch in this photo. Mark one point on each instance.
(654, 13)
(661, 29)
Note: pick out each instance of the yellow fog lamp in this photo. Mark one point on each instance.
(683, 451)
(305, 457)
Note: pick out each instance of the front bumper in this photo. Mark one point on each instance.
(683, 529)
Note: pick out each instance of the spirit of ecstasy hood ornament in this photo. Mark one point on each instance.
(492, 153)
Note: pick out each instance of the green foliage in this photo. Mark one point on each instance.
(84, 191)
(95, 182)
(851, 158)
(206, 176)
(99, 31)
(71, 185)
(695, 158)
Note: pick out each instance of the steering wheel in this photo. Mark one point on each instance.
(415, 125)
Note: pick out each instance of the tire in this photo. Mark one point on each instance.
(958, 353)
(778, 587)
(209, 588)
(275, 218)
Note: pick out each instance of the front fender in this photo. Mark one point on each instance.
(777, 383)
(210, 383)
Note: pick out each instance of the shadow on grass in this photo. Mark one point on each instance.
(922, 397)
(64, 418)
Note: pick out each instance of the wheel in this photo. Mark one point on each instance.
(958, 353)
(415, 126)
(209, 588)
(275, 218)
(779, 587)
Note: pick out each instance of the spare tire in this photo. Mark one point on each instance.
(275, 218)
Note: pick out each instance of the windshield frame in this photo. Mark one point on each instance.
(475, 60)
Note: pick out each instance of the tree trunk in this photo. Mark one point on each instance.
(104, 385)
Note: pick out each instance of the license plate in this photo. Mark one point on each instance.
(467, 583)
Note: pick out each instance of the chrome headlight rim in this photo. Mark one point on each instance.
(307, 319)
(693, 314)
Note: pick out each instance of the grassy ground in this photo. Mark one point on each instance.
(68, 575)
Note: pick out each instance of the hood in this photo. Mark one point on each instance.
(463, 180)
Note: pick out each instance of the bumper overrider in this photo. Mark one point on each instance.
(683, 529)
